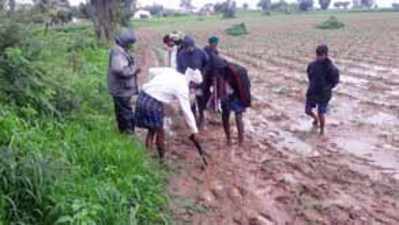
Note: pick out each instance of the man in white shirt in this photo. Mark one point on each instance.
(166, 86)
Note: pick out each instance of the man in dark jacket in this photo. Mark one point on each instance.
(236, 98)
(122, 80)
(196, 59)
(323, 77)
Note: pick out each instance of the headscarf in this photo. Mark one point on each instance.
(188, 42)
(126, 38)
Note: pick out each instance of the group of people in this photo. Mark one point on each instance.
(199, 79)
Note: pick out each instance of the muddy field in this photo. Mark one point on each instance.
(286, 174)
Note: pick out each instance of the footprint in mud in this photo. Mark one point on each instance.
(261, 219)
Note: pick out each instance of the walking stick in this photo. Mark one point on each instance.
(200, 150)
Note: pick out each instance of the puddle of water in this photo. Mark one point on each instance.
(288, 141)
(354, 80)
(395, 93)
(382, 119)
(368, 72)
(384, 158)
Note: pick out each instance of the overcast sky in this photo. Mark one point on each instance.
(252, 3)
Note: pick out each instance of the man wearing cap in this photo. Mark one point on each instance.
(166, 86)
(122, 80)
(213, 73)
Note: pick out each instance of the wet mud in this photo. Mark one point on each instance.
(286, 174)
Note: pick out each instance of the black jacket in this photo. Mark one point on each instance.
(216, 63)
(323, 78)
(240, 82)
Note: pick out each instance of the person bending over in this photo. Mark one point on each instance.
(166, 86)
(236, 98)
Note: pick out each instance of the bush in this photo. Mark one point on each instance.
(27, 186)
(331, 23)
(237, 30)
(74, 169)
(80, 172)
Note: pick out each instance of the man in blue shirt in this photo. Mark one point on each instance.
(196, 59)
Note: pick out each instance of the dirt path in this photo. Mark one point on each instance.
(286, 174)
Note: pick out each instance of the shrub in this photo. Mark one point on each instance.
(27, 186)
(237, 30)
(331, 23)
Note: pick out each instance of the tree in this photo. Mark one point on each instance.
(305, 5)
(356, 4)
(281, 6)
(128, 8)
(340, 5)
(219, 7)
(155, 9)
(105, 18)
(8, 5)
(367, 3)
(229, 10)
(265, 6)
(186, 5)
(324, 4)
(245, 6)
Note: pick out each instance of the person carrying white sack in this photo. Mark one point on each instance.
(166, 86)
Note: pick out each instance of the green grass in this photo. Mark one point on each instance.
(74, 168)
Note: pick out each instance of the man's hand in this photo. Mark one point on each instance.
(138, 70)
(192, 137)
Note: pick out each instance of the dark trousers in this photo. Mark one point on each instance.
(124, 114)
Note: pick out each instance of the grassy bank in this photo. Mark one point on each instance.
(61, 159)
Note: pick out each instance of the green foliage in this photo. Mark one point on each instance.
(237, 30)
(61, 160)
(25, 186)
(330, 24)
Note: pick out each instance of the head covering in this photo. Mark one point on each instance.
(188, 42)
(194, 75)
(176, 35)
(213, 40)
(126, 38)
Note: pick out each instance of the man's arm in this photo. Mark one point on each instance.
(180, 63)
(205, 60)
(308, 71)
(121, 66)
(184, 101)
(334, 76)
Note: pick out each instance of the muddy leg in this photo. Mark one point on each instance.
(310, 113)
(226, 125)
(240, 128)
(322, 120)
(149, 139)
(201, 110)
(160, 142)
